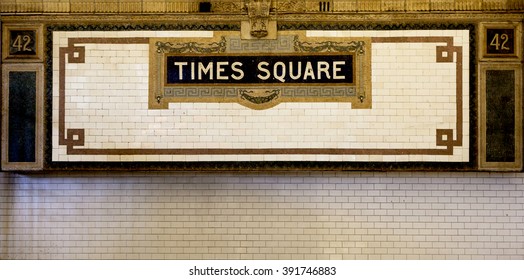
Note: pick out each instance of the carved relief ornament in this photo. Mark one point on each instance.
(258, 12)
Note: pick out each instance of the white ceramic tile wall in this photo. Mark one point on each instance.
(412, 97)
(328, 215)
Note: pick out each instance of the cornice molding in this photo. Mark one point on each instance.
(232, 7)
(212, 19)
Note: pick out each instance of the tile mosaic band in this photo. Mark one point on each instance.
(73, 138)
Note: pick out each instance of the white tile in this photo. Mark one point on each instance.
(397, 68)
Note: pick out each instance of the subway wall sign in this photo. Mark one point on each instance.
(260, 74)
(282, 69)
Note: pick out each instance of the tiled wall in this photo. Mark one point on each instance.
(330, 215)
(420, 87)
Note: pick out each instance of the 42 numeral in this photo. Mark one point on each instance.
(496, 41)
(21, 43)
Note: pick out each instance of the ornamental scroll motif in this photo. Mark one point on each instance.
(191, 47)
(357, 47)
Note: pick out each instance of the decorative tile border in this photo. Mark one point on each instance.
(445, 138)
(74, 138)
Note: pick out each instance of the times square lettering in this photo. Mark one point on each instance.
(241, 69)
(280, 70)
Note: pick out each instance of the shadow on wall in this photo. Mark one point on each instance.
(7, 191)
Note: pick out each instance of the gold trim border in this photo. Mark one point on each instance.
(39, 121)
(484, 56)
(500, 166)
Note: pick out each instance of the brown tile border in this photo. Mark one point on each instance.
(449, 49)
(75, 137)
(444, 137)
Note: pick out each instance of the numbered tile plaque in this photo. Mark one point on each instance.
(500, 41)
(22, 43)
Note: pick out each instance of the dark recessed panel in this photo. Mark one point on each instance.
(22, 117)
(500, 116)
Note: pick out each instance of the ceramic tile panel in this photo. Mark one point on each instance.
(263, 215)
(419, 109)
